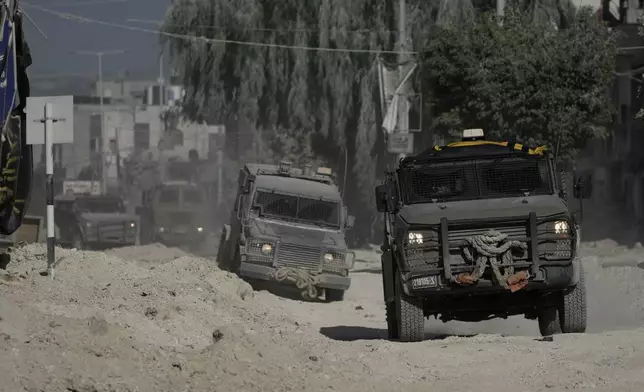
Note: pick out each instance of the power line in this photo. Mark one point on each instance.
(82, 19)
(261, 29)
(89, 2)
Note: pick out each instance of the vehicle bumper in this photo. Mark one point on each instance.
(267, 273)
(123, 240)
(550, 278)
(174, 238)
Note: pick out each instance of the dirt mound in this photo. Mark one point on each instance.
(152, 319)
(158, 319)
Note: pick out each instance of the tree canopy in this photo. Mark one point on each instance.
(523, 80)
(282, 100)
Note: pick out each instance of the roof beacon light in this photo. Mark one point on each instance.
(325, 171)
(473, 134)
(284, 167)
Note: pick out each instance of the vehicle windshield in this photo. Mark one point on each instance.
(107, 205)
(303, 209)
(475, 179)
(169, 195)
(192, 196)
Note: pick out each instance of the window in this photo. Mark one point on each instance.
(102, 205)
(169, 195)
(476, 179)
(298, 208)
(192, 196)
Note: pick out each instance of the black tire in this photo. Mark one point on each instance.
(334, 295)
(390, 307)
(392, 322)
(573, 312)
(235, 263)
(549, 323)
(221, 251)
(409, 312)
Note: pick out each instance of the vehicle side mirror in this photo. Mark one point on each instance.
(351, 220)
(583, 186)
(385, 198)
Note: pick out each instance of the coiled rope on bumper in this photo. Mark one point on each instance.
(492, 248)
(303, 280)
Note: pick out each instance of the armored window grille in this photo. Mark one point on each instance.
(298, 208)
(318, 211)
(476, 179)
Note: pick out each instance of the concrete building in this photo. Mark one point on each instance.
(134, 123)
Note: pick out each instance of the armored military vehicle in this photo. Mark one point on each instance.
(477, 230)
(288, 225)
(174, 214)
(94, 221)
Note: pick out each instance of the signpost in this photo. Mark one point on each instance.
(57, 115)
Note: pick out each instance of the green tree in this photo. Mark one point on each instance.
(524, 80)
(299, 103)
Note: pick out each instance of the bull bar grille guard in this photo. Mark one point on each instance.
(532, 239)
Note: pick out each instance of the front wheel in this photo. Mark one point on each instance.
(549, 323)
(334, 295)
(410, 315)
(569, 315)
(573, 311)
(221, 250)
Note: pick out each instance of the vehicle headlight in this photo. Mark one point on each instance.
(89, 224)
(328, 257)
(132, 224)
(267, 249)
(199, 229)
(415, 238)
(161, 229)
(561, 227)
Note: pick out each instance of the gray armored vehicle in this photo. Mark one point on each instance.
(86, 221)
(288, 225)
(477, 230)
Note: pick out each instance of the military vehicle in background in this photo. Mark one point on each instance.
(173, 214)
(86, 219)
(177, 195)
(288, 225)
(477, 230)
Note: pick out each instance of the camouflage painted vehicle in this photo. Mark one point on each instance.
(89, 221)
(174, 214)
(288, 225)
(478, 230)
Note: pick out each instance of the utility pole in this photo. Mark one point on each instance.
(404, 68)
(101, 93)
(500, 10)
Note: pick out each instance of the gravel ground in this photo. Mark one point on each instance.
(156, 319)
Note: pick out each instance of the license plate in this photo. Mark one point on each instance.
(425, 281)
(181, 230)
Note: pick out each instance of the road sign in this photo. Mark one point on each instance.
(81, 187)
(401, 143)
(63, 111)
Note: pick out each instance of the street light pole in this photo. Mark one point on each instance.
(101, 93)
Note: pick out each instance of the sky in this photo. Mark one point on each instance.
(52, 55)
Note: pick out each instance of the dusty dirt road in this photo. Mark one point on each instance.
(156, 319)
